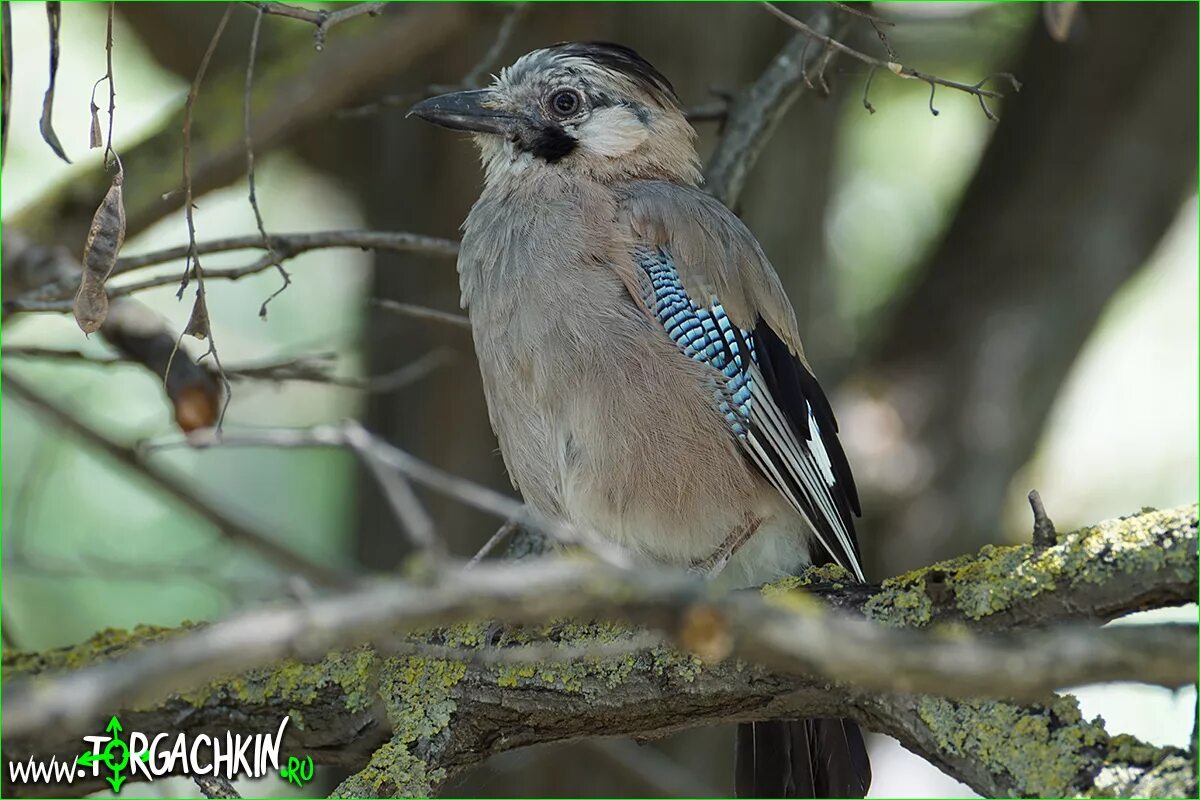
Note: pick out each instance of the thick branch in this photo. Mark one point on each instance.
(491, 698)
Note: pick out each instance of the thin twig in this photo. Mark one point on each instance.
(867, 91)
(324, 20)
(461, 489)
(503, 35)
(399, 492)
(471, 80)
(112, 90)
(460, 321)
(896, 68)
(1044, 534)
(502, 533)
(246, 120)
(286, 245)
(200, 324)
(173, 486)
(314, 368)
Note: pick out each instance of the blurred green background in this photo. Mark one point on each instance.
(851, 206)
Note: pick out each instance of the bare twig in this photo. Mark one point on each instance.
(400, 495)
(867, 91)
(503, 36)
(112, 91)
(897, 68)
(286, 246)
(199, 325)
(471, 80)
(324, 20)
(497, 538)
(1044, 534)
(173, 486)
(247, 96)
(460, 321)
(461, 489)
(311, 368)
(756, 112)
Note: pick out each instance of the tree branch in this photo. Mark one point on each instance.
(897, 68)
(488, 698)
(175, 487)
(757, 110)
(302, 92)
(43, 290)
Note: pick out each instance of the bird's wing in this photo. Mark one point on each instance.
(701, 274)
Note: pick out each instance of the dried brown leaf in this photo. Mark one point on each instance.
(5, 75)
(198, 323)
(46, 126)
(96, 136)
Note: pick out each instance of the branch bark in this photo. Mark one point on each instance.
(423, 705)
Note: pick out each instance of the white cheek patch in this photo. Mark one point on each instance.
(612, 132)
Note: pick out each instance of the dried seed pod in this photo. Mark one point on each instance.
(91, 304)
(104, 241)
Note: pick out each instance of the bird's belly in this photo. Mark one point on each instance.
(668, 483)
(603, 421)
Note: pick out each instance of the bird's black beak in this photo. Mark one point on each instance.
(464, 111)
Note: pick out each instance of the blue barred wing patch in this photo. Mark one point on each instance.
(703, 332)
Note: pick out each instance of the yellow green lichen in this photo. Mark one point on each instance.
(418, 695)
(393, 771)
(831, 574)
(300, 683)
(1047, 751)
(996, 578)
(591, 673)
(100, 646)
(1126, 749)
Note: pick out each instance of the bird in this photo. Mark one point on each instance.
(641, 362)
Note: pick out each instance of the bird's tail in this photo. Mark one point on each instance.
(805, 758)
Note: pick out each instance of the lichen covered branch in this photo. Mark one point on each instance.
(435, 692)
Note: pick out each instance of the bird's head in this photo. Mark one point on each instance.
(590, 109)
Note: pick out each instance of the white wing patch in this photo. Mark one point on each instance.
(807, 467)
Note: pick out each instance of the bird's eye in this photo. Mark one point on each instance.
(565, 102)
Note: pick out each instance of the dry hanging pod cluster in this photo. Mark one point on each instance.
(104, 241)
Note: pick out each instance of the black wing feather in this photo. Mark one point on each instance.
(795, 390)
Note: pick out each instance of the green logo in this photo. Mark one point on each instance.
(297, 771)
(251, 756)
(109, 757)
